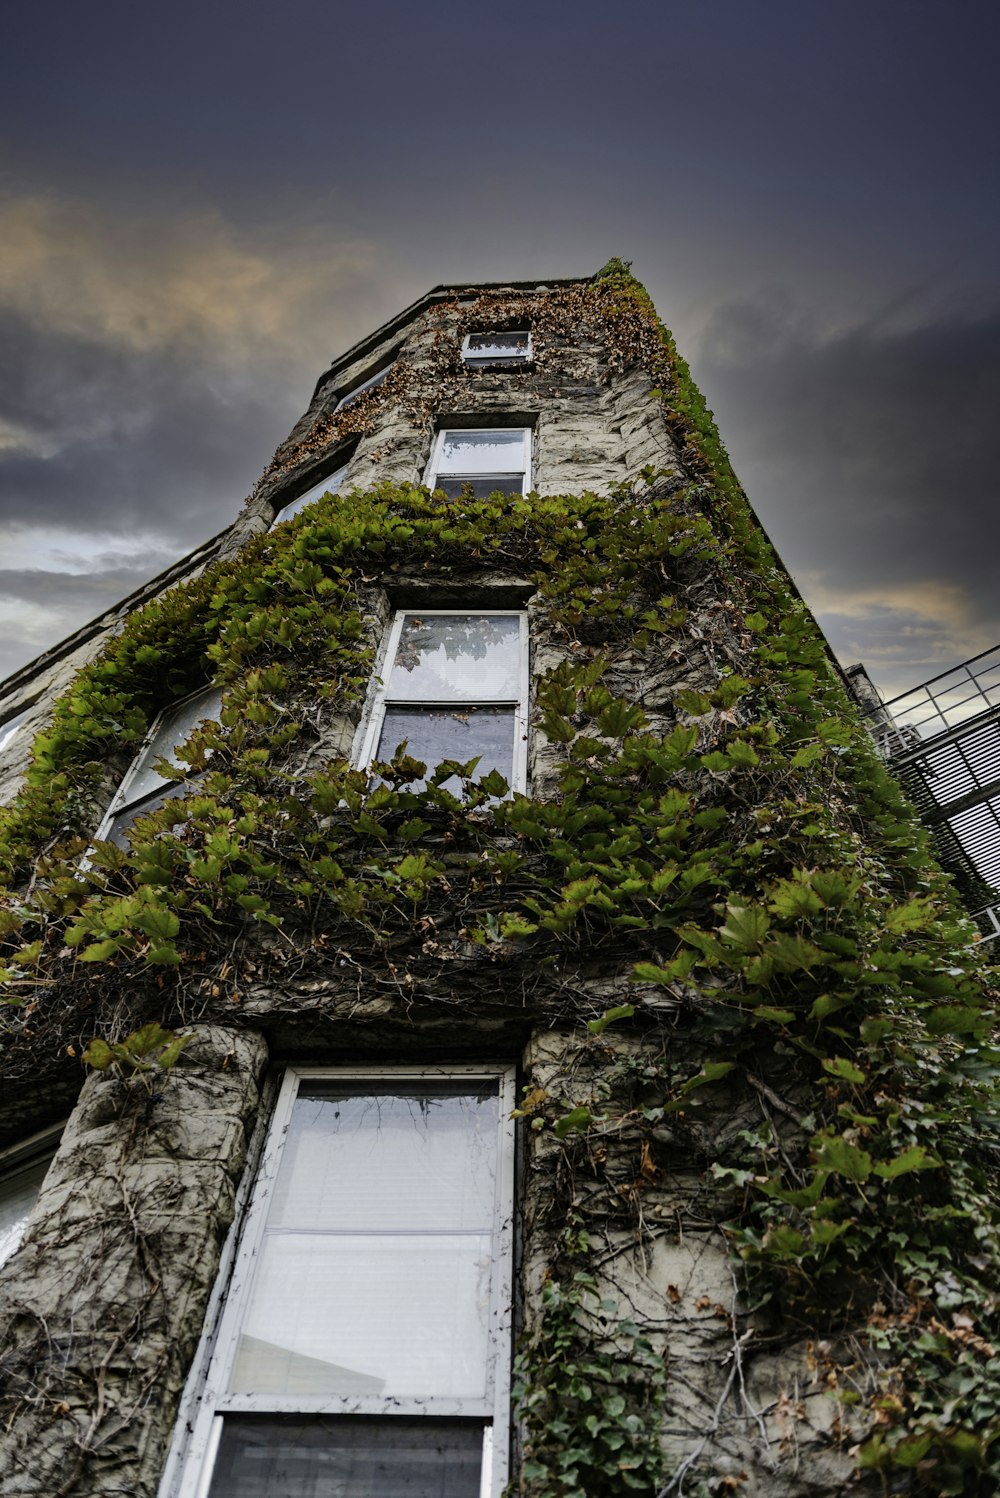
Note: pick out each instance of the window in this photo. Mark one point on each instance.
(143, 788)
(480, 349)
(369, 384)
(455, 686)
(9, 727)
(330, 485)
(22, 1171)
(364, 1346)
(483, 460)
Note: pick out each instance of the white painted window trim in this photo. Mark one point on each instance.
(371, 726)
(431, 471)
(472, 357)
(120, 800)
(191, 1474)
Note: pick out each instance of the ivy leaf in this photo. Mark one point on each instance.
(846, 1070)
(914, 1158)
(99, 1055)
(576, 1121)
(695, 703)
(842, 1158)
(744, 926)
(620, 1011)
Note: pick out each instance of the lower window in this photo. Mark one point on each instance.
(364, 1345)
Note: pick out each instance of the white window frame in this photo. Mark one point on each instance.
(369, 384)
(192, 1476)
(120, 800)
(18, 1158)
(330, 485)
(431, 471)
(475, 360)
(372, 727)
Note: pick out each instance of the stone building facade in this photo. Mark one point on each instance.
(460, 1123)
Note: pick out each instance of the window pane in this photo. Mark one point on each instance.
(369, 384)
(392, 1315)
(489, 346)
(479, 452)
(18, 1194)
(461, 658)
(330, 485)
(433, 734)
(481, 488)
(9, 727)
(117, 832)
(374, 1160)
(174, 727)
(348, 1458)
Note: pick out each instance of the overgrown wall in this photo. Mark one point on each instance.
(759, 1202)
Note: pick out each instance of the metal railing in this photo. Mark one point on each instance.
(942, 742)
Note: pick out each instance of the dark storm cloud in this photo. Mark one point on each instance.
(872, 455)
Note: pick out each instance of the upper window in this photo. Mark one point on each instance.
(144, 788)
(455, 686)
(364, 1347)
(496, 348)
(369, 384)
(22, 1171)
(481, 460)
(330, 485)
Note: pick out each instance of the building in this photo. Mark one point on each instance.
(584, 1096)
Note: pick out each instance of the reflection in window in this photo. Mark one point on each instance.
(144, 788)
(496, 348)
(455, 687)
(22, 1171)
(330, 485)
(363, 1350)
(481, 461)
(9, 727)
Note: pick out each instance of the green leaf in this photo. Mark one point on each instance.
(846, 1070)
(745, 926)
(914, 1158)
(576, 1121)
(841, 1158)
(695, 703)
(99, 1055)
(621, 1011)
(100, 951)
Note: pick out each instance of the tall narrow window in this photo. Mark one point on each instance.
(330, 485)
(482, 460)
(363, 1350)
(144, 788)
(455, 686)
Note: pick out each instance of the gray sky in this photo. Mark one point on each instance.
(201, 206)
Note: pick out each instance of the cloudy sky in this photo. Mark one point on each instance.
(202, 204)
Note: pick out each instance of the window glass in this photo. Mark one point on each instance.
(345, 1458)
(144, 788)
(330, 485)
(374, 1276)
(18, 1194)
(472, 452)
(497, 348)
(457, 657)
(435, 734)
(10, 726)
(369, 384)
